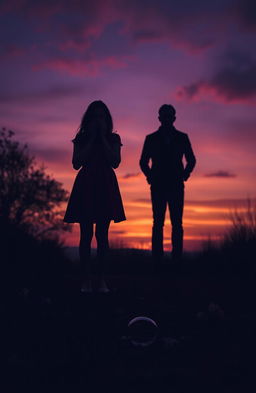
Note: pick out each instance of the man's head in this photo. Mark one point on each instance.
(167, 115)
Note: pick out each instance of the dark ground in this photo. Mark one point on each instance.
(59, 339)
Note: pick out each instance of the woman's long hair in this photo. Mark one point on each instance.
(89, 115)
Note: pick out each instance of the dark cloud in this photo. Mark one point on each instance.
(12, 51)
(63, 30)
(131, 175)
(181, 23)
(69, 35)
(73, 26)
(117, 232)
(220, 173)
(235, 80)
(246, 14)
(142, 200)
(73, 66)
(221, 203)
(147, 35)
(50, 154)
(53, 93)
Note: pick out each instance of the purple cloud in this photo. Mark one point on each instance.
(220, 173)
(72, 66)
(11, 51)
(142, 200)
(51, 154)
(234, 81)
(55, 92)
(74, 27)
(245, 12)
(131, 175)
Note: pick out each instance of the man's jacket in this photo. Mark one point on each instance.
(166, 151)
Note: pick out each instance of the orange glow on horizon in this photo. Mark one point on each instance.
(202, 218)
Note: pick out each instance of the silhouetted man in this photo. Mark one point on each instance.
(166, 148)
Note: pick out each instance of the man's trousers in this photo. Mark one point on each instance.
(173, 196)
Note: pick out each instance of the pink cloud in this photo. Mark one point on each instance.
(200, 91)
(183, 25)
(177, 37)
(192, 28)
(77, 45)
(13, 51)
(233, 82)
(91, 67)
(70, 23)
(221, 174)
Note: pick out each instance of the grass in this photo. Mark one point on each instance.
(54, 337)
(236, 252)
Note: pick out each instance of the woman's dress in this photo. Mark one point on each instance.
(95, 195)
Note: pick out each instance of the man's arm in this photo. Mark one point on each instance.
(190, 158)
(144, 159)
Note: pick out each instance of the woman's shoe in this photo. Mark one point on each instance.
(86, 287)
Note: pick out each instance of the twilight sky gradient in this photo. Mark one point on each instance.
(58, 56)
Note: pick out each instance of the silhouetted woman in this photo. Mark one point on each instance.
(95, 196)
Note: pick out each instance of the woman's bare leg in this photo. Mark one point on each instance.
(101, 234)
(86, 234)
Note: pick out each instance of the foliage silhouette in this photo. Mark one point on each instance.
(239, 242)
(29, 198)
(32, 252)
(236, 250)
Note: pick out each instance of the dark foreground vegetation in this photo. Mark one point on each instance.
(55, 338)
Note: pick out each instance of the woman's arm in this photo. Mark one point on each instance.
(112, 150)
(82, 153)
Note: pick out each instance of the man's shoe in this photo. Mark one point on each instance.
(102, 286)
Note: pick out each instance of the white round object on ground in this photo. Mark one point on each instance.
(142, 331)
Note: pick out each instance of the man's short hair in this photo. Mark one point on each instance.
(165, 108)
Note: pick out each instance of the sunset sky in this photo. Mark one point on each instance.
(58, 56)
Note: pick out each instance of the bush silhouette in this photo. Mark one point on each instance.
(29, 198)
(239, 242)
(30, 213)
(236, 251)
